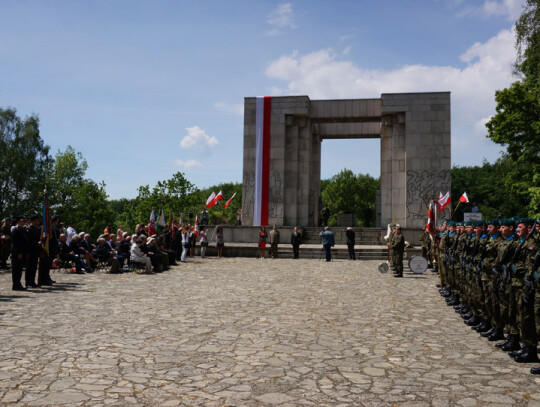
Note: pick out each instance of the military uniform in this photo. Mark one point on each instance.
(398, 248)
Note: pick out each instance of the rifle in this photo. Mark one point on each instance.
(531, 280)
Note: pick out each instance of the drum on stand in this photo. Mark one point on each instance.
(418, 264)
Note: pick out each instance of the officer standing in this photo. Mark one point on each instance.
(274, 241)
(398, 248)
(33, 236)
(19, 251)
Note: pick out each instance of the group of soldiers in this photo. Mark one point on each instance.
(490, 274)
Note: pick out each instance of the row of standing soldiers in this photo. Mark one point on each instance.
(490, 274)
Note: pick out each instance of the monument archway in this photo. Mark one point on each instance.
(282, 154)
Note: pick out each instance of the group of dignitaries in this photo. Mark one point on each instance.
(490, 274)
(24, 241)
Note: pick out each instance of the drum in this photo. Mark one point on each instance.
(383, 267)
(418, 264)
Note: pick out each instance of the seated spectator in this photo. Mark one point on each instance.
(76, 247)
(124, 248)
(154, 257)
(120, 234)
(163, 247)
(138, 256)
(153, 246)
(66, 255)
(104, 253)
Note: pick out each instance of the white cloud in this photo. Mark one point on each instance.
(187, 164)
(346, 50)
(236, 109)
(281, 17)
(511, 9)
(322, 75)
(197, 138)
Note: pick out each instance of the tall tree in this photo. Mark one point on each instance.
(23, 160)
(516, 123)
(74, 197)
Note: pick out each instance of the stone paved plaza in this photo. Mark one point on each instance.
(245, 332)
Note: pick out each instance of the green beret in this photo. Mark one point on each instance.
(469, 223)
(508, 222)
(526, 221)
(494, 222)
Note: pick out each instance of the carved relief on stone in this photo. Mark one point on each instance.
(422, 186)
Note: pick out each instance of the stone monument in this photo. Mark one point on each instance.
(282, 154)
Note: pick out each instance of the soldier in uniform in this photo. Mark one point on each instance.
(491, 284)
(425, 241)
(274, 241)
(19, 251)
(33, 236)
(504, 256)
(398, 248)
(526, 249)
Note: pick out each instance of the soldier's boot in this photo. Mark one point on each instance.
(497, 335)
(535, 370)
(515, 353)
(482, 326)
(528, 355)
(453, 300)
(513, 344)
(488, 333)
(474, 320)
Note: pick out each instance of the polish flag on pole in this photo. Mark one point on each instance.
(229, 201)
(218, 197)
(464, 198)
(210, 201)
(444, 201)
(263, 109)
(432, 221)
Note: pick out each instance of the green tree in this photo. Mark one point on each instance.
(23, 160)
(346, 192)
(516, 124)
(176, 195)
(486, 186)
(74, 197)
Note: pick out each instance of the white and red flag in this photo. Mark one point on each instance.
(263, 110)
(229, 201)
(210, 201)
(218, 197)
(432, 217)
(444, 201)
(464, 198)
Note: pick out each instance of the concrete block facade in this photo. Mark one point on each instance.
(414, 129)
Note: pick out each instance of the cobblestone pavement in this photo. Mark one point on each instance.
(249, 332)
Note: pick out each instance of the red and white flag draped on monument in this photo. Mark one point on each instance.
(263, 110)
(443, 201)
(432, 217)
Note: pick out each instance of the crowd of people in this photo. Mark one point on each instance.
(490, 274)
(36, 253)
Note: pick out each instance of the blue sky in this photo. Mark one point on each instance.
(144, 89)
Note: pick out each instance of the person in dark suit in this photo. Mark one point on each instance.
(296, 241)
(33, 236)
(45, 260)
(19, 251)
(351, 236)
